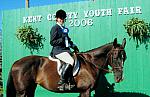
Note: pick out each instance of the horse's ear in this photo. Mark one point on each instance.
(115, 42)
(124, 43)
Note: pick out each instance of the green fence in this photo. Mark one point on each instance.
(91, 24)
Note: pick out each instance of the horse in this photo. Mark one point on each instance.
(30, 71)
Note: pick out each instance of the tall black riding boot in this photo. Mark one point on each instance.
(67, 74)
(70, 80)
(62, 76)
(70, 74)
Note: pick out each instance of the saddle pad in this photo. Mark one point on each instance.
(59, 69)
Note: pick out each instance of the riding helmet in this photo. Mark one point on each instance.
(61, 14)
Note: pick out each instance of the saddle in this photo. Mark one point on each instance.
(76, 66)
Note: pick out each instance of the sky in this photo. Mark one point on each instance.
(15, 4)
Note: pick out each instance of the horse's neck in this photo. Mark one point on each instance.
(98, 56)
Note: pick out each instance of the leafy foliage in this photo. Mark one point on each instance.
(30, 38)
(138, 30)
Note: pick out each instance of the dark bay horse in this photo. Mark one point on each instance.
(28, 72)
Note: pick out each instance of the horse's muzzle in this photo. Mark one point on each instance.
(119, 79)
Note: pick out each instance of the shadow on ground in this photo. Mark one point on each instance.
(122, 94)
(105, 89)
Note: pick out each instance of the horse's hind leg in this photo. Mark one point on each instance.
(28, 91)
(31, 90)
(24, 84)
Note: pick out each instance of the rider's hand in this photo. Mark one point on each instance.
(76, 49)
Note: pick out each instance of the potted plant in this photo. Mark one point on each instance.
(30, 38)
(138, 29)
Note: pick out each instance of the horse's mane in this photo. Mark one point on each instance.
(102, 49)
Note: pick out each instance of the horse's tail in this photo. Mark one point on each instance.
(10, 89)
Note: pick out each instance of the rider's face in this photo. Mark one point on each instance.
(60, 21)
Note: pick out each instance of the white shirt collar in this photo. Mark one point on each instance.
(59, 25)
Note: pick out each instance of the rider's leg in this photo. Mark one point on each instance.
(65, 57)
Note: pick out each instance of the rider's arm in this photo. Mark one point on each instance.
(72, 45)
(55, 40)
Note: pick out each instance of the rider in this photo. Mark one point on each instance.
(62, 43)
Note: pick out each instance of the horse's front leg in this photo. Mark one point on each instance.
(86, 93)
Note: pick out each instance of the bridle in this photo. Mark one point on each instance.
(110, 55)
(120, 67)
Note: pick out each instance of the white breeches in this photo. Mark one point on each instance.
(66, 57)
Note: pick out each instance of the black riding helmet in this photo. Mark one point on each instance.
(61, 14)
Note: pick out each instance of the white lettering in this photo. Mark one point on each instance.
(49, 17)
(69, 15)
(91, 13)
(25, 19)
(39, 18)
(86, 14)
(97, 13)
(120, 10)
(76, 23)
(90, 22)
(83, 22)
(53, 17)
(71, 23)
(109, 12)
(75, 14)
(130, 10)
(126, 12)
(138, 10)
(103, 12)
(34, 19)
(31, 19)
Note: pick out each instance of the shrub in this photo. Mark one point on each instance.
(138, 29)
(30, 38)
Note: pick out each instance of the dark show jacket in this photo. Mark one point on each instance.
(57, 40)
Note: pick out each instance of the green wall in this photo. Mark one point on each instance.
(103, 30)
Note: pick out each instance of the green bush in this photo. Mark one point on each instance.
(138, 29)
(30, 38)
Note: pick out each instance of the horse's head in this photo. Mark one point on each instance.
(116, 58)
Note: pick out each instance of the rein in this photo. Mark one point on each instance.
(98, 67)
(111, 63)
(101, 67)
